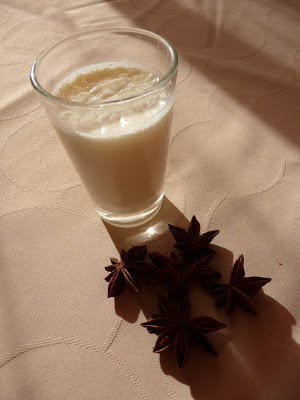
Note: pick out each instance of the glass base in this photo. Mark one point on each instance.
(131, 220)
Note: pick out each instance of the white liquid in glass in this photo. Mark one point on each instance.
(120, 155)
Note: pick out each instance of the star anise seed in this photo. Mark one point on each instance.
(239, 289)
(190, 242)
(175, 329)
(122, 271)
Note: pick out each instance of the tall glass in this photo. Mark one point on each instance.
(119, 147)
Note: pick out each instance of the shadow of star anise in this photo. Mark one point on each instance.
(169, 271)
(175, 329)
(122, 271)
(239, 289)
(190, 242)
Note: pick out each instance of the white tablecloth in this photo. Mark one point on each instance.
(234, 163)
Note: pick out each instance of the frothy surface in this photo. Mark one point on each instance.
(100, 84)
(108, 82)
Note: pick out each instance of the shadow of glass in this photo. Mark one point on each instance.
(258, 358)
(257, 355)
(149, 232)
(129, 304)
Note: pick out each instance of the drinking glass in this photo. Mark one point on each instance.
(118, 147)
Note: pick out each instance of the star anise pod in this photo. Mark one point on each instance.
(239, 289)
(122, 271)
(169, 271)
(175, 329)
(190, 242)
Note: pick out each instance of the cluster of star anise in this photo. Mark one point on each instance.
(173, 324)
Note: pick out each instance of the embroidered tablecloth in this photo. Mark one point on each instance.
(233, 162)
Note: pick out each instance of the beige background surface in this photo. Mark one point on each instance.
(234, 163)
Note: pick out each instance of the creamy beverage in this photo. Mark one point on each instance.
(120, 156)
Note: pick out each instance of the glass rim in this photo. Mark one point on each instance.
(44, 93)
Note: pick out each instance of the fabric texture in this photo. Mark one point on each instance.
(234, 162)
